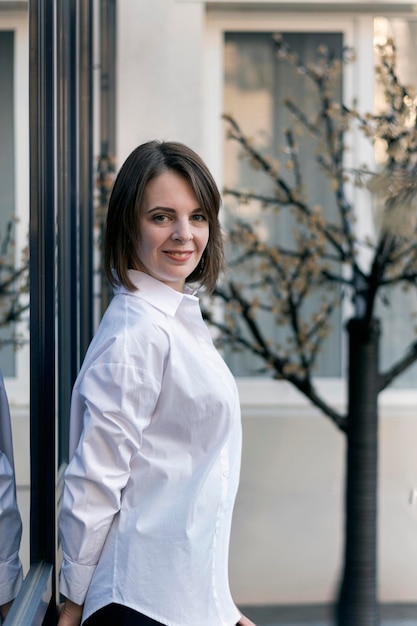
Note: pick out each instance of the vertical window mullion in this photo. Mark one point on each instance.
(66, 210)
(85, 172)
(42, 281)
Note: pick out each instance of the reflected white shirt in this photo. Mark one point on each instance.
(11, 575)
(155, 445)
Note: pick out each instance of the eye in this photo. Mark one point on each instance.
(199, 217)
(159, 218)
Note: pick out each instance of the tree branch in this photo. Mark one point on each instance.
(398, 368)
(276, 363)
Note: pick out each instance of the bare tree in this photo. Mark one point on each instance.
(14, 288)
(104, 180)
(297, 284)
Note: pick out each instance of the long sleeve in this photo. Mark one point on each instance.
(11, 575)
(117, 402)
(10, 534)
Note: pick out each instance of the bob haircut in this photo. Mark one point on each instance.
(145, 163)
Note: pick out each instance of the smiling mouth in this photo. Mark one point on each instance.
(179, 254)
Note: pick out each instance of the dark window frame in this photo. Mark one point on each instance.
(61, 263)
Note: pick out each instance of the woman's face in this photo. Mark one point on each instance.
(174, 230)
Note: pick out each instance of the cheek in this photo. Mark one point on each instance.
(146, 243)
(205, 237)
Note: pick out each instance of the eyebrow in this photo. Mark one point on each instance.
(171, 210)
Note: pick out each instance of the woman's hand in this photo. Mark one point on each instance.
(244, 621)
(71, 614)
(4, 609)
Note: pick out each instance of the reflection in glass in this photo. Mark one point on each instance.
(7, 175)
(256, 86)
(397, 307)
(10, 522)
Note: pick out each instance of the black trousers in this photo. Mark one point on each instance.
(118, 615)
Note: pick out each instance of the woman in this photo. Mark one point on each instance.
(155, 424)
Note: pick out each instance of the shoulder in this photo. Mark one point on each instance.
(131, 332)
(134, 315)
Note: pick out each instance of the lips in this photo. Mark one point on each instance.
(183, 255)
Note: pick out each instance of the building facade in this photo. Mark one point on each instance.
(179, 65)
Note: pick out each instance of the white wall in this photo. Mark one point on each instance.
(21, 434)
(288, 521)
(397, 542)
(287, 537)
(288, 525)
(160, 47)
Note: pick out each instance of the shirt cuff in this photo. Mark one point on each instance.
(11, 578)
(74, 580)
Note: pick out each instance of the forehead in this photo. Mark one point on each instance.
(171, 187)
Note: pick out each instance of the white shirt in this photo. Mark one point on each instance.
(11, 575)
(156, 439)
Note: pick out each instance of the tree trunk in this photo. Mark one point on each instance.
(357, 603)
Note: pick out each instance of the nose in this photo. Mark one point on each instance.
(182, 231)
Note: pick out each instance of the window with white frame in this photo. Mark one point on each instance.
(14, 195)
(398, 314)
(254, 84)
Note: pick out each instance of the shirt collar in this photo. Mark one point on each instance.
(155, 292)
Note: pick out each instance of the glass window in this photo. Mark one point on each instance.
(14, 206)
(397, 307)
(256, 84)
(7, 192)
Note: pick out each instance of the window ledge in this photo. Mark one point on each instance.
(278, 398)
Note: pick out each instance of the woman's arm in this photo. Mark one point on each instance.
(115, 401)
(4, 609)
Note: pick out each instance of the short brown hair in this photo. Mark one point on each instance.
(145, 163)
